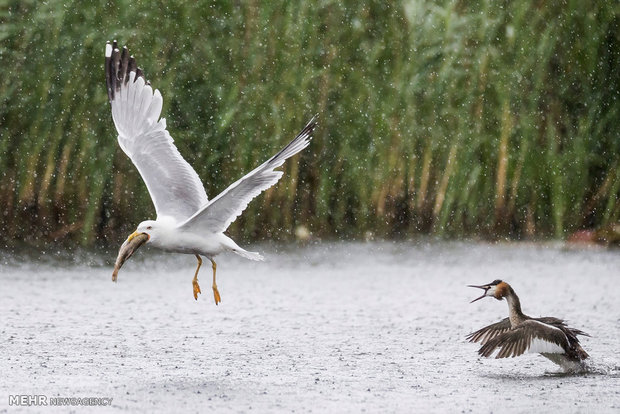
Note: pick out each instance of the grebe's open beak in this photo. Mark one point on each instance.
(486, 289)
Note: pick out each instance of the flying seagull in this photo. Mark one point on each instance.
(187, 221)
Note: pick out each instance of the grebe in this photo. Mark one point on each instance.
(519, 333)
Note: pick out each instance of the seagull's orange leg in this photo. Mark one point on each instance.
(216, 294)
(195, 281)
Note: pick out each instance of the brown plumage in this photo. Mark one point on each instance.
(502, 290)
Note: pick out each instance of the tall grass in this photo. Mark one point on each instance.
(454, 118)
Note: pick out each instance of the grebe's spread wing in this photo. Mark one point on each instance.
(531, 336)
(487, 333)
(560, 323)
(174, 186)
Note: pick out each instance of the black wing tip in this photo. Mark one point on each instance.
(118, 65)
(313, 122)
(309, 128)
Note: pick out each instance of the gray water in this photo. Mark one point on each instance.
(338, 327)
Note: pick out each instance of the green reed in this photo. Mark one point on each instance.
(484, 118)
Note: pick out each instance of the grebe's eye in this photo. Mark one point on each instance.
(149, 227)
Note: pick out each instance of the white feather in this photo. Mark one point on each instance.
(155, 107)
(174, 186)
(229, 204)
(541, 346)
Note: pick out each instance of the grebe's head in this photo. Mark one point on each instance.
(497, 289)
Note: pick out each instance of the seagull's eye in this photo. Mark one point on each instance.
(149, 227)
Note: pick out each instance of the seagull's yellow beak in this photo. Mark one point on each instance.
(134, 234)
(133, 242)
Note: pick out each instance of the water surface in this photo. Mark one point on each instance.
(326, 327)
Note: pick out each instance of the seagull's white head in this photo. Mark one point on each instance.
(155, 230)
(148, 227)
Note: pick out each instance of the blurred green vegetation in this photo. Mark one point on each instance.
(455, 118)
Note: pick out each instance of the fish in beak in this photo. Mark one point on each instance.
(486, 289)
(133, 242)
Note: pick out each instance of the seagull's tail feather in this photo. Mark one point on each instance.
(230, 245)
(249, 255)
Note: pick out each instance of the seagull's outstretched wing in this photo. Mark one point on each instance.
(216, 216)
(175, 188)
(530, 336)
